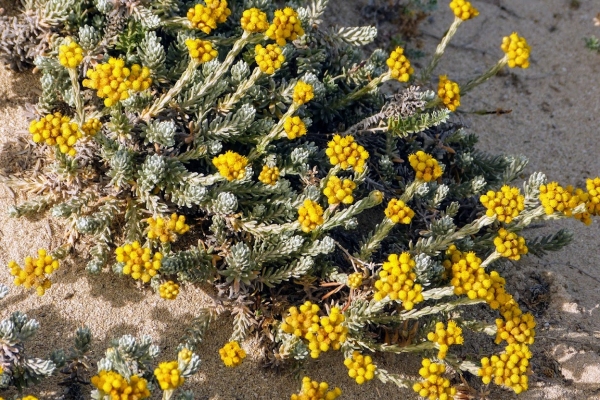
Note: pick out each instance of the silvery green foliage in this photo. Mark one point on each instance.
(162, 132)
(89, 37)
(152, 172)
(105, 6)
(241, 268)
(129, 356)
(152, 54)
(3, 291)
(121, 169)
(226, 203)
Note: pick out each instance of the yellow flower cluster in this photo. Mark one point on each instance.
(111, 384)
(328, 334)
(360, 368)
(185, 355)
(556, 198)
(166, 230)
(505, 204)
(445, 337)
(201, 50)
(303, 93)
(286, 26)
(516, 327)
(30, 397)
(232, 354)
(399, 65)
(355, 280)
(113, 80)
(254, 20)
(449, 93)
(35, 273)
(425, 166)
(313, 390)
(1, 370)
(70, 55)
(91, 127)
(168, 375)
(345, 152)
(294, 127)
(517, 50)
(463, 9)
(207, 17)
(397, 280)
(301, 319)
(510, 245)
(509, 368)
(269, 59)
(434, 386)
(310, 215)
(231, 165)
(399, 212)
(56, 129)
(338, 191)
(593, 195)
(269, 175)
(139, 261)
(169, 290)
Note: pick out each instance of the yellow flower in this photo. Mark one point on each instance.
(35, 272)
(425, 166)
(434, 386)
(329, 334)
(166, 230)
(303, 93)
(91, 127)
(231, 165)
(70, 55)
(360, 368)
(269, 175)
(505, 204)
(509, 244)
(139, 261)
(201, 50)
(593, 191)
(168, 375)
(517, 50)
(185, 355)
(510, 368)
(269, 59)
(294, 127)
(56, 129)
(207, 17)
(113, 80)
(254, 20)
(232, 354)
(555, 198)
(346, 153)
(355, 280)
(285, 26)
(445, 337)
(30, 397)
(463, 9)
(313, 390)
(110, 383)
(399, 65)
(168, 290)
(449, 93)
(397, 280)
(338, 191)
(301, 319)
(399, 212)
(310, 215)
(516, 328)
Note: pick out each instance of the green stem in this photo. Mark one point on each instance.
(439, 51)
(242, 88)
(411, 189)
(261, 146)
(485, 76)
(373, 243)
(491, 258)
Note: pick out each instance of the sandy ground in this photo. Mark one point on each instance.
(555, 106)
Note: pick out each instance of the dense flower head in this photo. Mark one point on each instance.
(510, 245)
(168, 290)
(310, 215)
(398, 212)
(338, 191)
(509, 368)
(445, 337)
(303, 93)
(294, 127)
(301, 319)
(346, 153)
(231, 165)
(286, 26)
(425, 165)
(206, 17)
(449, 93)
(505, 204)
(168, 375)
(313, 390)
(35, 272)
(399, 65)
(70, 55)
(397, 280)
(355, 280)
(91, 127)
(270, 58)
(232, 354)
(593, 198)
(555, 198)
(110, 383)
(185, 355)
(201, 50)
(254, 20)
(463, 9)
(328, 334)
(269, 175)
(434, 386)
(56, 129)
(29, 397)
(517, 50)
(516, 328)
(166, 229)
(360, 368)
(139, 261)
(113, 80)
